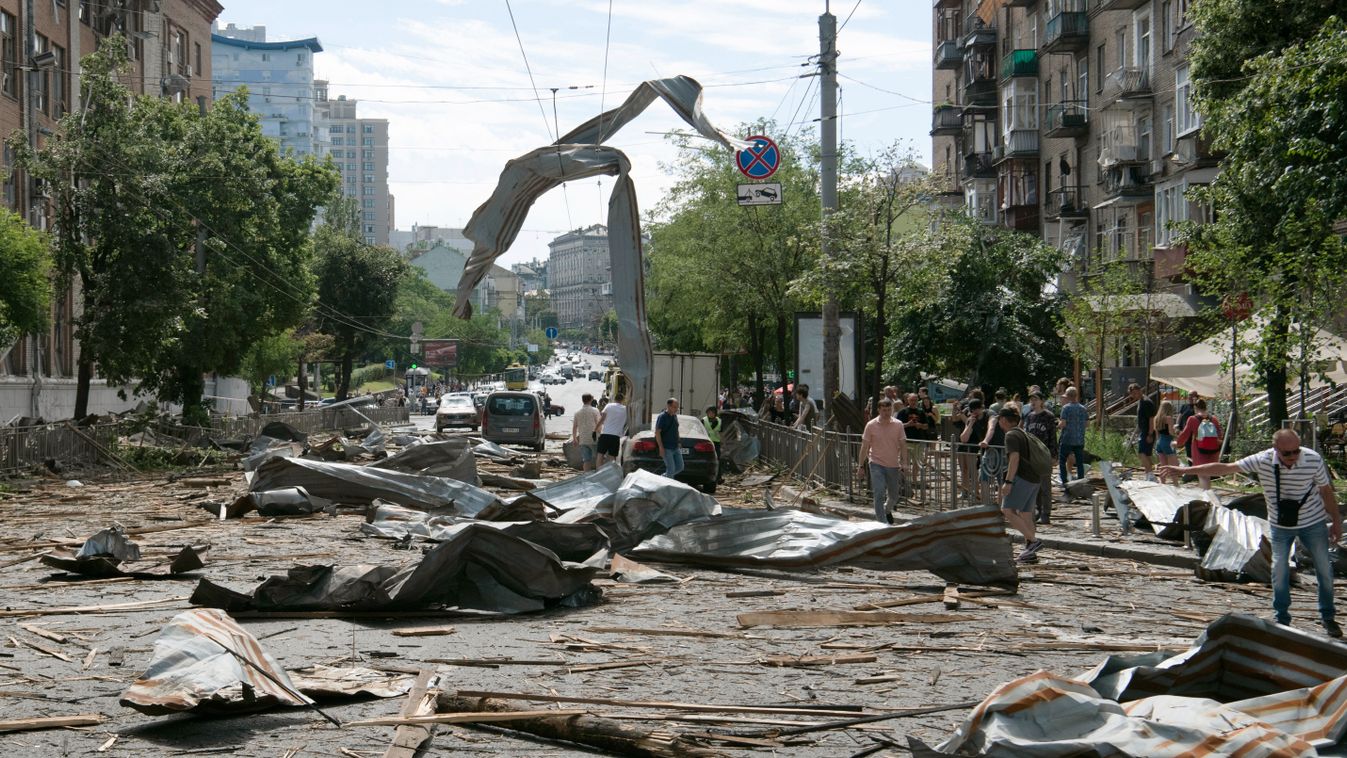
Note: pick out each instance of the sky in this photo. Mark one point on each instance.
(450, 78)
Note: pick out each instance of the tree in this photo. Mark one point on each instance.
(720, 274)
(185, 231)
(1274, 103)
(25, 285)
(982, 309)
(357, 289)
(1099, 315)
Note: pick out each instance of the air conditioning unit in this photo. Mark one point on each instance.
(1157, 166)
(190, 72)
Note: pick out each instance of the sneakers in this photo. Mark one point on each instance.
(1331, 628)
(1030, 552)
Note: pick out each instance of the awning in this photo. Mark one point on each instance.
(1166, 303)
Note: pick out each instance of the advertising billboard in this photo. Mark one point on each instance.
(440, 353)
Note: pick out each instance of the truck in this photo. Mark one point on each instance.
(693, 378)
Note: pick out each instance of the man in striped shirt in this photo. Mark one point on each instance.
(1301, 505)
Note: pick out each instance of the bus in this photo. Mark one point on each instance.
(516, 377)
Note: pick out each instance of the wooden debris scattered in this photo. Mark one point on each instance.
(817, 660)
(673, 706)
(51, 722)
(411, 739)
(803, 619)
(656, 632)
(463, 718)
(39, 647)
(425, 631)
(951, 597)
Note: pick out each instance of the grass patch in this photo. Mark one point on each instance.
(382, 385)
(1111, 446)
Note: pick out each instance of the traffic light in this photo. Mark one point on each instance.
(413, 366)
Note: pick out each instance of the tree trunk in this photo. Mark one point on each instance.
(303, 382)
(756, 333)
(781, 352)
(194, 410)
(85, 378)
(1099, 383)
(344, 374)
(881, 332)
(1275, 374)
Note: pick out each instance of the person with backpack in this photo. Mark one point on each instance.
(1024, 475)
(1204, 430)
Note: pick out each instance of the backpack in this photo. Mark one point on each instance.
(1208, 435)
(1039, 458)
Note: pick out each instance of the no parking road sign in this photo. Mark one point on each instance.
(759, 161)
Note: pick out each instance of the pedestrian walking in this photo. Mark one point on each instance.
(1145, 429)
(1301, 507)
(1019, 488)
(1041, 424)
(1163, 424)
(1071, 443)
(1203, 430)
(666, 439)
(713, 423)
(585, 432)
(1186, 411)
(808, 411)
(884, 452)
(612, 425)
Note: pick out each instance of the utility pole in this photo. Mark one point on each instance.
(827, 38)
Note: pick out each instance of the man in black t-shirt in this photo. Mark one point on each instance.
(1145, 432)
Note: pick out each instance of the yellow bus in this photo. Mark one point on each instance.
(516, 377)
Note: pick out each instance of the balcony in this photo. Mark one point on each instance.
(1127, 83)
(1067, 32)
(947, 119)
(1020, 3)
(948, 55)
(1120, 5)
(979, 93)
(978, 166)
(1127, 184)
(955, 4)
(1172, 262)
(1019, 63)
(1066, 202)
(1067, 119)
(976, 33)
(1023, 218)
(1123, 144)
(1019, 143)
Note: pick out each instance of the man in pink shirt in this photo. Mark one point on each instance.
(884, 449)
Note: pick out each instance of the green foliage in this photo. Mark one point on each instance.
(275, 355)
(25, 286)
(984, 311)
(1098, 317)
(539, 337)
(1275, 103)
(357, 288)
(373, 372)
(1111, 446)
(139, 185)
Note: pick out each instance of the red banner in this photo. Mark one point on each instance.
(441, 353)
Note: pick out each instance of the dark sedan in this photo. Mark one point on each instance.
(699, 454)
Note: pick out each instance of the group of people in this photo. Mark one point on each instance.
(597, 430)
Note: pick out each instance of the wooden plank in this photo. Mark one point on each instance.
(425, 631)
(923, 599)
(39, 631)
(656, 632)
(818, 660)
(465, 718)
(51, 722)
(755, 593)
(78, 609)
(39, 647)
(673, 706)
(411, 738)
(951, 596)
(806, 619)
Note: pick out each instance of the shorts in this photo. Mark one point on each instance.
(608, 444)
(1164, 445)
(588, 451)
(1144, 446)
(1023, 495)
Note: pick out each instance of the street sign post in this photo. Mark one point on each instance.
(390, 363)
(532, 348)
(759, 194)
(759, 161)
(552, 332)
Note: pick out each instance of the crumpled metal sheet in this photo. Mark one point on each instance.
(577, 155)
(627, 571)
(1162, 504)
(278, 503)
(570, 542)
(495, 452)
(263, 448)
(584, 491)
(326, 682)
(110, 553)
(1240, 544)
(1247, 687)
(738, 444)
(1121, 505)
(361, 485)
(968, 546)
(448, 458)
(196, 665)
(642, 506)
(477, 567)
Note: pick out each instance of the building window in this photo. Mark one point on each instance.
(350, 168)
(369, 215)
(368, 154)
(369, 240)
(369, 228)
(368, 203)
(350, 154)
(266, 57)
(60, 104)
(1167, 25)
(1019, 105)
(1141, 32)
(10, 187)
(1144, 130)
(299, 59)
(1188, 118)
(86, 12)
(1167, 129)
(368, 191)
(338, 141)
(43, 79)
(368, 178)
(9, 54)
(335, 130)
(350, 128)
(367, 141)
(196, 59)
(1100, 66)
(369, 128)
(367, 166)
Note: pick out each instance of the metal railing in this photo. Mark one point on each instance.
(308, 422)
(24, 447)
(941, 476)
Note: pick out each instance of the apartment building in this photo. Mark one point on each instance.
(579, 278)
(1073, 120)
(168, 43)
(279, 78)
(359, 149)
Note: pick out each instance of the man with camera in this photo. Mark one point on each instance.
(1301, 505)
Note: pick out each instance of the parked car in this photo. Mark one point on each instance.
(456, 409)
(699, 454)
(552, 378)
(515, 418)
(568, 371)
(595, 375)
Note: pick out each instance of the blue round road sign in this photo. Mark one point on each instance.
(760, 161)
(552, 332)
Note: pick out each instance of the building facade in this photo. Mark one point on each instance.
(279, 78)
(359, 149)
(168, 44)
(579, 278)
(1074, 120)
(443, 263)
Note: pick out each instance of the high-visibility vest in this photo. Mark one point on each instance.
(713, 429)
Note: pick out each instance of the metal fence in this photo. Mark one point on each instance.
(941, 476)
(308, 422)
(24, 447)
